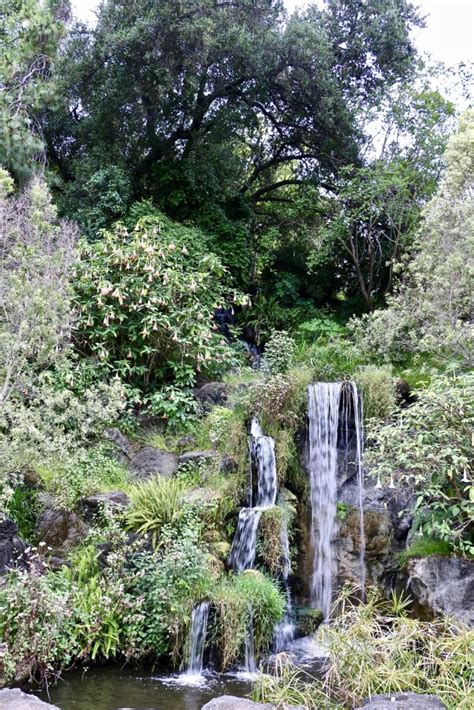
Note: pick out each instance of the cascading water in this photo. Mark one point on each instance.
(285, 630)
(323, 414)
(359, 430)
(324, 403)
(197, 639)
(262, 450)
(243, 551)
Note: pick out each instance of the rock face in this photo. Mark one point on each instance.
(211, 394)
(196, 457)
(12, 547)
(122, 444)
(115, 501)
(15, 699)
(150, 461)
(231, 702)
(403, 701)
(61, 529)
(444, 585)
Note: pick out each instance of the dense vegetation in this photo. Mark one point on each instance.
(182, 185)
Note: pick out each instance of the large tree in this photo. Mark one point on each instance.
(213, 107)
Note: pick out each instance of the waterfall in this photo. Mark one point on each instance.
(249, 660)
(242, 554)
(285, 629)
(323, 414)
(359, 429)
(262, 450)
(197, 638)
(324, 403)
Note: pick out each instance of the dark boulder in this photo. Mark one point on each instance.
(61, 530)
(211, 394)
(444, 585)
(150, 461)
(114, 501)
(196, 457)
(122, 445)
(12, 547)
(402, 701)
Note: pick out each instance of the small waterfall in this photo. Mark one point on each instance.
(242, 554)
(323, 414)
(250, 665)
(285, 630)
(197, 638)
(359, 428)
(325, 400)
(262, 451)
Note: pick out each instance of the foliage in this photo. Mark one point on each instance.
(279, 352)
(155, 504)
(330, 362)
(87, 471)
(432, 310)
(247, 600)
(425, 547)
(376, 648)
(428, 447)
(23, 508)
(278, 400)
(322, 328)
(37, 255)
(201, 132)
(274, 523)
(147, 297)
(168, 584)
(36, 623)
(378, 391)
(30, 32)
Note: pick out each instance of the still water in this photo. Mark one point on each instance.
(112, 688)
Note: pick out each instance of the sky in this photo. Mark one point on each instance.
(448, 36)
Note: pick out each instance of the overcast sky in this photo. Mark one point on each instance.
(448, 36)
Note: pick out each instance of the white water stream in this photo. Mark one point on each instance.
(326, 400)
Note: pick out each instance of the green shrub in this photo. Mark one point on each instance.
(147, 298)
(279, 352)
(154, 504)
(168, 584)
(84, 473)
(23, 508)
(247, 600)
(378, 391)
(279, 401)
(272, 523)
(320, 329)
(330, 362)
(428, 448)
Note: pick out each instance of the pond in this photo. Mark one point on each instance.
(115, 688)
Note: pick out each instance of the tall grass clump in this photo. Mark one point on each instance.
(377, 385)
(248, 600)
(154, 504)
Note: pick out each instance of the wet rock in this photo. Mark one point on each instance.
(403, 701)
(404, 393)
(150, 461)
(15, 699)
(121, 443)
(186, 442)
(228, 464)
(61, 530)
(211, 394)
(444, 585)
(32, 478)
(196, 457)
(231, 702)
(12, 547)
(114, 501)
